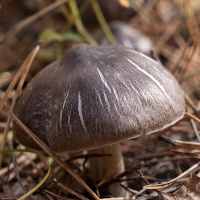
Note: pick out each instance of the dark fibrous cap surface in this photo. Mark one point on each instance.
(96, 96)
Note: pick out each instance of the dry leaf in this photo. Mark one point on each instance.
(190, 190)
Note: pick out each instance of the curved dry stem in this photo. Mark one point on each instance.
(102, 22)
(175, 66)
(25, 67)
(66, 13)
(192, 117)
(26, 22)
(192, 23)
(166, 184)
(47, 150)
(79, 25)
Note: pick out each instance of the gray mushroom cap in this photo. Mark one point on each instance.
(95, 96)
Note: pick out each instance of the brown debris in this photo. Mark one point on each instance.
(168, 168)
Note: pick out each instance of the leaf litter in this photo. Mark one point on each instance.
(168, 170)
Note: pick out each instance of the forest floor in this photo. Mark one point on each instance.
(154, 168)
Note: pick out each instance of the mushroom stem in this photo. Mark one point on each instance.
(108, 166)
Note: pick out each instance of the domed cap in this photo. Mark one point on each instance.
(95, 96)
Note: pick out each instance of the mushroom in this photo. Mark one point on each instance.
(126, 36)
(97, 96)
